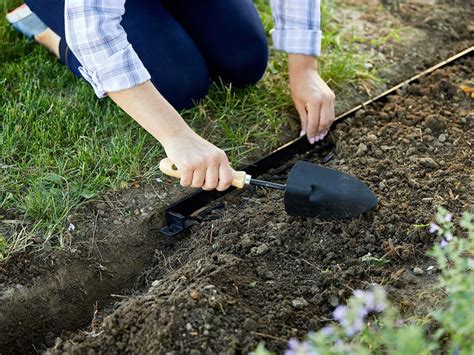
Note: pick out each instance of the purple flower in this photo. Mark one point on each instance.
(380, 299)
(362, 312)
(380, 307)
(339, 313)
(373, 301)
(369, 300)
(295, 347)
(293, 344)
(352, 316)
(352, 320)
(327, 331)
(434, 228)
(443, 243)
(354, 327)
(448, 217)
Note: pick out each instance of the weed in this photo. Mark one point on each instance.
(372, 260)
(3, 247)
(420, 226)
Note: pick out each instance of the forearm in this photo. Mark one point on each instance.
(151, 110)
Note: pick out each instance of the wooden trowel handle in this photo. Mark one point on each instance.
(168, 168)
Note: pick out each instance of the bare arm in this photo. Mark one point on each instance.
(201, 163)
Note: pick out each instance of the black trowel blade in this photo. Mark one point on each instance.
(316, 191)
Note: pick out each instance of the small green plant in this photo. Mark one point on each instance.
(3, 247)
(369, 324)
(372, 260)
(392, 35)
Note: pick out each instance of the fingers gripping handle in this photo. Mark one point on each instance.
(168, 168)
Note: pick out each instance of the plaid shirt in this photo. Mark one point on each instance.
(109, 62)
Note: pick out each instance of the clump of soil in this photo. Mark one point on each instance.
(247, 272)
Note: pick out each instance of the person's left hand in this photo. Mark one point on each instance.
(313, 98)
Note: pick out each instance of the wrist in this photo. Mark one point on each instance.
(301, 62)
(176, 133)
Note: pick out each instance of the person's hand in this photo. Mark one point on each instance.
(313, 98)
(202, 164)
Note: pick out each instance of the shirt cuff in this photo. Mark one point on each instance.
(123, 70)
(298, 41)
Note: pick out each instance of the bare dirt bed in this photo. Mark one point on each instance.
(402, 38)
(249, 273)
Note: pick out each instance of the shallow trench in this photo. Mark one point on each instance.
(65, 295)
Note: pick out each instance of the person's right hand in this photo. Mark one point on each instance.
(202, 164)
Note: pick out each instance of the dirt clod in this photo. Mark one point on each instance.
(299, 303)
(418, 271)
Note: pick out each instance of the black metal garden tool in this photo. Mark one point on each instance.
(311, 190)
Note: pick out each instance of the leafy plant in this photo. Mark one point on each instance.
(455, 257)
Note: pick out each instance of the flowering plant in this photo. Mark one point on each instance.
(455, 258)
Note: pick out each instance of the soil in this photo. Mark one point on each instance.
(247, 272)
(254, 252)
(43, 294)
(401, 38)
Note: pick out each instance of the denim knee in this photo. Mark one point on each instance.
(195, 91)
(247, 66)
(183, 90)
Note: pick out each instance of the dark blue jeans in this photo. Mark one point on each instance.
(183, 43)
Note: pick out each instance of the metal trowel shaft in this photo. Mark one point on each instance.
(271, 185)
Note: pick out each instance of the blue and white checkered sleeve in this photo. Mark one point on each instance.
(297, 26)
(94, 34)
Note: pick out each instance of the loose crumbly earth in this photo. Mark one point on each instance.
(249, 273)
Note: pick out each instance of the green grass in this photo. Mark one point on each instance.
(60, 146)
